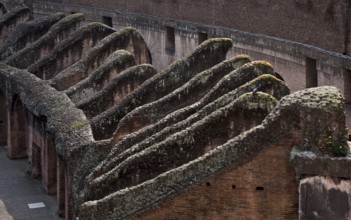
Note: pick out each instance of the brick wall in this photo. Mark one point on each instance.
(254, 190)
(321, 24)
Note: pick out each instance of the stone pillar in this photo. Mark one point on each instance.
(324, 198)
(68, 213)
(61, 187)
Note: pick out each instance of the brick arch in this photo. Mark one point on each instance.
(17, 130)
(3, 119)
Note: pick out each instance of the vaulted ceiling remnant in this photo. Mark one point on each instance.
(130, 137)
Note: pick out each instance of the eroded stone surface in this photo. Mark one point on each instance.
(128, 139)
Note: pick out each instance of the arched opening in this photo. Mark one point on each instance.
(311, 72)
(16, 132)
(3, 119)
(278, 76)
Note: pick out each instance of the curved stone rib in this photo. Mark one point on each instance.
(26, 33)
(41, 99)
(231, 81)
(208, 54)
(127, 39)
(58, 32)
(301, 110)
(186, 145)
(114, 64)
(155, 133)
(251, 71)
(117, 89)
(185, 95)
(70, 50)
(236, 78)
(9, 21)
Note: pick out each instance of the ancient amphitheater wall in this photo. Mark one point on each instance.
(300, 65)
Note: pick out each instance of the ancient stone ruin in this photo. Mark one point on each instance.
(208, 137)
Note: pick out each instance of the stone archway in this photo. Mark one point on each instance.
(16, 132)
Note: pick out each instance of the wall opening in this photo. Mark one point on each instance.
(49, 165)
(202, 37)
(208, 184)
(170, 40)
(107, 20)
(311, 72)
(3, 119)
(233, 186)
(36, 161)
(17, 124)
(279, 76)
(259, 188)
(150, 56)
(347, 85)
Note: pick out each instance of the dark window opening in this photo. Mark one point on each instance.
(107, 20)
(279, 76)
(311, 73)
(259, 188)
(73, 12)
(170, 40)
(150, 56)
(347, 85)
(208, 184)
(233, 186)
(36, 162)
(202, 37)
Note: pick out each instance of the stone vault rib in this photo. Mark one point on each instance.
(184, 146)
(70, 50)
(127, 39)
(41, 99)
(173, 123)
(100, 78)
(174, 76)
(185, 95)
(10, 19)
(292, 112)
(58, 32)
(117, 89)
(26, 33)
(169, 132)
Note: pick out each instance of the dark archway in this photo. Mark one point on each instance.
(279, 76)
(17, 129)
(3, 119)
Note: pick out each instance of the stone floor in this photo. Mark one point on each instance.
(18, 189)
